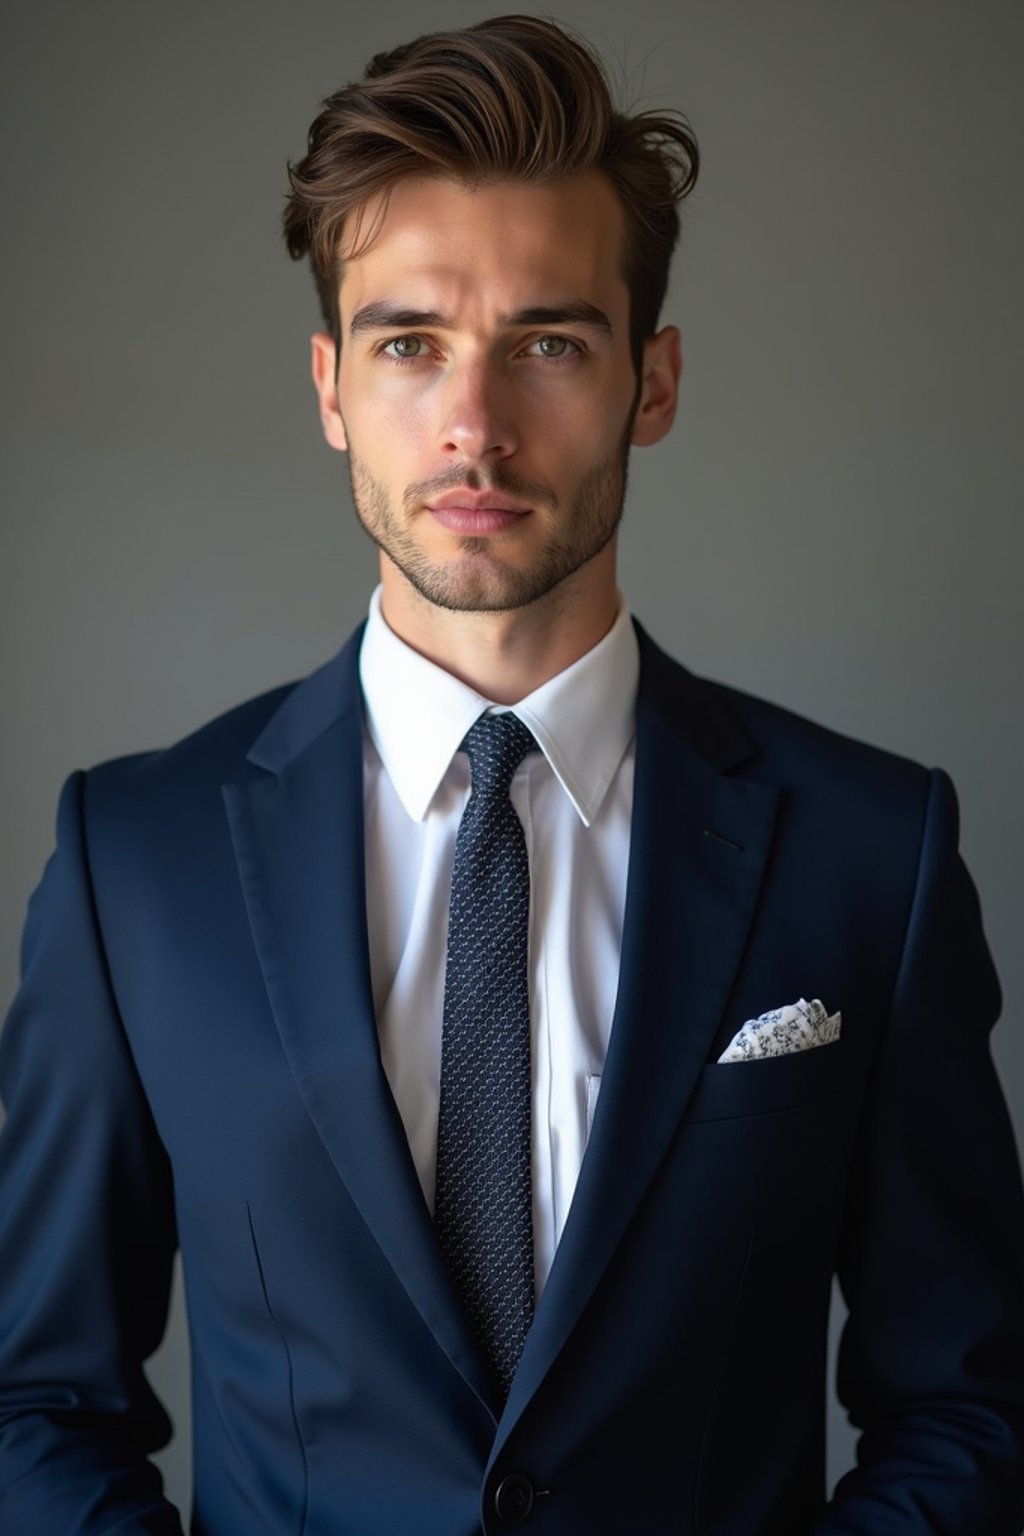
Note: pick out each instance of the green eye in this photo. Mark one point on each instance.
(405, 346)
(553, 346)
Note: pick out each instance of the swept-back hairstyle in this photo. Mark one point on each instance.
(511, 98)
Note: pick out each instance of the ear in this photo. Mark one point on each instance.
(325, 382)
(659, 387)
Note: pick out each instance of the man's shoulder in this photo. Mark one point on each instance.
(241, 743)
(799, 744)
(213, 751)
(777, 744)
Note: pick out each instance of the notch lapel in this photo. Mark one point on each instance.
(690, 898)
(298, 836)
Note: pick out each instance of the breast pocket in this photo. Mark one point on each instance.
(768, 1085)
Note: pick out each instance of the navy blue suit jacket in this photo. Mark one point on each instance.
(192, 1061)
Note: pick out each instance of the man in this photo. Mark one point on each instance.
(514, 1032)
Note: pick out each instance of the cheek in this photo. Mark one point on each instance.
(386, 429)
(585, 430)
(391, 402)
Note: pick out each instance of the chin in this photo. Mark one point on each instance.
(459, 593)
(478, 583)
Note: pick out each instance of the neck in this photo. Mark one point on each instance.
(504, 656)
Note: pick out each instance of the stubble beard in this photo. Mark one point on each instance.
(476, 579)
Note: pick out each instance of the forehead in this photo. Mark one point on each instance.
(510, 241)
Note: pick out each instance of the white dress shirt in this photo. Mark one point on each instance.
(574, 798)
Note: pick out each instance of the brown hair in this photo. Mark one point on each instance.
(511, 98)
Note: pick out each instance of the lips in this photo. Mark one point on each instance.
(476, 512)
(476, 501)
(476, 521)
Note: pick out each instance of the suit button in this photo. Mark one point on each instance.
(514, 1499)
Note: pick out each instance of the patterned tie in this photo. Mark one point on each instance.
(483, 1201)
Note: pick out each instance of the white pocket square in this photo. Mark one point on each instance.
(781, 1031)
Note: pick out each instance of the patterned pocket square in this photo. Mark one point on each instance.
(781, 1031)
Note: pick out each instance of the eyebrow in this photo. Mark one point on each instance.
(390, 317)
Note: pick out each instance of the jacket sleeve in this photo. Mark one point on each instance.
(87, 1233)
(931, 1364)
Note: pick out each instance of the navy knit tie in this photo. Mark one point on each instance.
(483, 1201)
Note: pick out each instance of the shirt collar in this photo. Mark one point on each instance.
(417, 714)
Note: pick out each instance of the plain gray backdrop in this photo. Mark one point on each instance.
(835, 522)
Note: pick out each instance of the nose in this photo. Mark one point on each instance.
(477, 416)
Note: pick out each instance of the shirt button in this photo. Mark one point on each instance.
(513, 1500)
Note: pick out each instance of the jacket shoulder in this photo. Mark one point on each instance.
(779, 736)
(806, 747)
(262, 732)
(817, 766)
(214, 751)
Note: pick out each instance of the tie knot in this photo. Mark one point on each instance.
(496, 745)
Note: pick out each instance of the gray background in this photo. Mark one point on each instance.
(835, 522)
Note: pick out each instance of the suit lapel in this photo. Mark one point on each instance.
(298, 836)
(698, 846)
(699, 842)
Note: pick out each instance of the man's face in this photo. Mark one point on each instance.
(486, 393)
